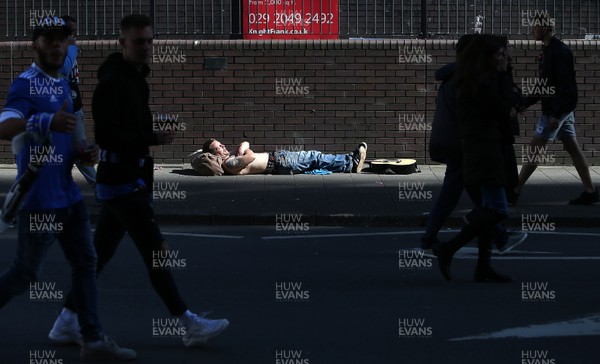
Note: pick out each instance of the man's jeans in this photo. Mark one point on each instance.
(38, 229)
(304, 161)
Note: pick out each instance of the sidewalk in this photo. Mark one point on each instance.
(339, 199)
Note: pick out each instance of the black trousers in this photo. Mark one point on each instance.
(133, 214)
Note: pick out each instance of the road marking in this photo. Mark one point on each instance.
(471, 253)
(204, 235)
(586, 326)
(346, 235)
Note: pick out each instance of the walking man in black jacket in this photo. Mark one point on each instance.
(124, 132)
(558, 93)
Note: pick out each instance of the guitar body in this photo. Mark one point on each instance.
(398, 166)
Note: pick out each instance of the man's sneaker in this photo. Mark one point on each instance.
(65, 332)
(586, 198)
(201, 329)
(358, 157)
(510, 239)
(105, 350)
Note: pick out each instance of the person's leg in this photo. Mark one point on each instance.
(304, 161)
(88, 172)
(31, 252)
(107, 236)
(481, 220)
(530, 165)
(580, 162)
(134, 213)
(76, 242)
(446, 202)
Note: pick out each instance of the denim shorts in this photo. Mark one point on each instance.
(565, 130)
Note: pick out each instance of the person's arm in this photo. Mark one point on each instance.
(70, 60)
(235, 165)
(244, 146)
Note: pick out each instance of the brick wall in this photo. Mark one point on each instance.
(344, 92)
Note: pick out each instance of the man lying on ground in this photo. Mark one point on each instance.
(243, 160)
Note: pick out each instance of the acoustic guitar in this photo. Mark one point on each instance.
(398, 166)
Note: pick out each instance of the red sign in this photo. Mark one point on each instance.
(291, 19)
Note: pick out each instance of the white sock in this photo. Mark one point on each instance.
(68, 315)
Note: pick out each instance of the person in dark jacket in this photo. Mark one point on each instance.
(444, 147)
(483, 114)
(124, 132)
(557, 89)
